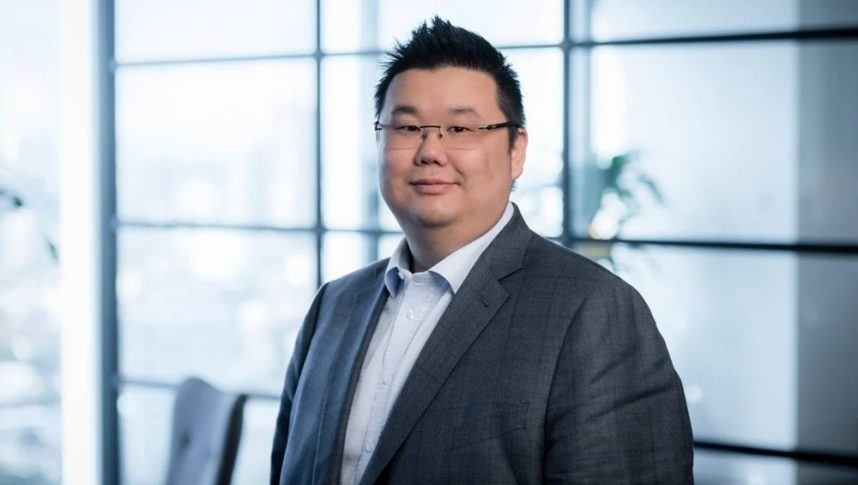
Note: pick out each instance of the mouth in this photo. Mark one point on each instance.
(431, 185)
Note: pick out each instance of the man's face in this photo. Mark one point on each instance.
(434, 186)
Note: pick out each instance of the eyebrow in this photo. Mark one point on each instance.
(405, 109)
(408, 109)
(464, 110)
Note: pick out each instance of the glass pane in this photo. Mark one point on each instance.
(224, 306)
(827, 117)
(162, 29)
(373, 24)
(537, 192)
(145, 417)
(387, 244)
(765, 342)
(221, 142)
(719, 468)
(253, 465)
(30, 387)
(713, 468)
(344, 253)
(738, 141)
(350, 187)
(29, 439)
(651, 18)
(387, 220)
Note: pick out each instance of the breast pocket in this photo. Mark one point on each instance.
(487, 421)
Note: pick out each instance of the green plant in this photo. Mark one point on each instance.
(614, 192)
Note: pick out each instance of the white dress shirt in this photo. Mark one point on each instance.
(415, 304)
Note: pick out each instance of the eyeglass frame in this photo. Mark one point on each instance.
(378, 126)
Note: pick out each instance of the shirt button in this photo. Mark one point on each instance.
(385, 380)
(369, 446)
(409, 314)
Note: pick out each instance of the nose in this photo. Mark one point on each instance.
(430, 150)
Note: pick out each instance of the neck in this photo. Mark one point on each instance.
(430, 245)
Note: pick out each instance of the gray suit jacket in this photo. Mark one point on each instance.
(545, 367)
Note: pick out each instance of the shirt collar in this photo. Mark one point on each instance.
(454, 268)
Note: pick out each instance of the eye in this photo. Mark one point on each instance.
(459, 129)
(407, 128)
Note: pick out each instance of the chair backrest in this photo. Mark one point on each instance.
(205, 435)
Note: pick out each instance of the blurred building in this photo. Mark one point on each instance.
(178, 177)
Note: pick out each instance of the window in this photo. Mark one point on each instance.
(709, 143)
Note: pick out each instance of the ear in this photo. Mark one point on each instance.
(517, 153)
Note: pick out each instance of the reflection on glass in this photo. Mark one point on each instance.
(162, 29)
(537, 192)
(374, 24)
(344, 253)
(144, 419)
(387, 245)
(828, 110)
(765, 342)
(349, 154)
(225, 143)
(30, 418)
(224, 306)
(719, 468)
(386, 218)
(253, 465)
(613, 19)
(713, 128)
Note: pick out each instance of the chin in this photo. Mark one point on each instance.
(431, 217)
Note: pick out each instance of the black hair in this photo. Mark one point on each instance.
(442, 45)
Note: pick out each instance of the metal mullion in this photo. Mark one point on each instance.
(577, 106)
(115, 65)
(798, 35)
(144, 224)
(111, 459)
(319, 229)
(798, 454)
(380, 52)
(799, 247)
(366, 231)
(566, 171)
(30, 403)
(370, 24)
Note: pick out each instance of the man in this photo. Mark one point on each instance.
(479, 352)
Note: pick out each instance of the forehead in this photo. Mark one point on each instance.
(443, 91)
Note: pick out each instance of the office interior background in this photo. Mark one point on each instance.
(178, 177)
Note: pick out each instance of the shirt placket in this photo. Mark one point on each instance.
(415, 299)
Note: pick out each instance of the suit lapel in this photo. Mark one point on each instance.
(470, 310)
(361, 316)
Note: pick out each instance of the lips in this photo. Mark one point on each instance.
(431, 185)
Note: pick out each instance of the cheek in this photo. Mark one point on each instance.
(489, 170)
(391, 172)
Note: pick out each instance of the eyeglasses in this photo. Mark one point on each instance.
(457, 137)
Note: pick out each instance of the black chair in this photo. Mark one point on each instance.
(205, 436)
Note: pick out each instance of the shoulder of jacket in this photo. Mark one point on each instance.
(562, 263)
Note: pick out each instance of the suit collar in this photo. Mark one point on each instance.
(470, 310)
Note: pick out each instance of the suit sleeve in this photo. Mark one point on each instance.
(293, 374)
(616, 412)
